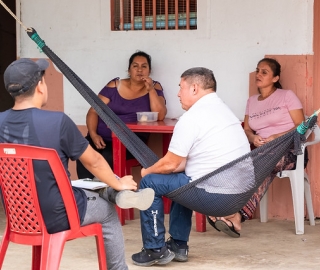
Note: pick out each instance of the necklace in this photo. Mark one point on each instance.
(269, 94)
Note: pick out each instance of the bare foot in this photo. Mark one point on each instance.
(212, 218)
(235, 219)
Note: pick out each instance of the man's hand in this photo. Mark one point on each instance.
(98, 166)
(127, 182)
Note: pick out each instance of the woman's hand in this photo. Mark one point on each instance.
(157, 103)
(271, 138)
(258, 141)
(98, 141)
(127, 182)
(148, 82)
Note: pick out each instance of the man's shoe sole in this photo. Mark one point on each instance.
(180, 258)
(141, 199)
(166, 259)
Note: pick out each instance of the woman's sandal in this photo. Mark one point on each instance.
(224, 227)
(212, 223)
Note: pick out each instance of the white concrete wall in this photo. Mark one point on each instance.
(231, 37)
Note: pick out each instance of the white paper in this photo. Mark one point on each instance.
(88, 184)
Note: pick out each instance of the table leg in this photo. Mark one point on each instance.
(166, 205)
(200, 222)
(119, 160)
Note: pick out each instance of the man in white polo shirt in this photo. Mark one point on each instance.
(207, 136)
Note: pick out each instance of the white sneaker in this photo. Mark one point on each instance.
(140, 199)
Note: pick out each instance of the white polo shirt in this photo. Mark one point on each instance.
(209, 135)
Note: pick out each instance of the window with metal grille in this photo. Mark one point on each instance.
(153, 15)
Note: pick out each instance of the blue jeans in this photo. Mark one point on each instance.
(152, 219)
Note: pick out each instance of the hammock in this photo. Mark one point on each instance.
(220, 193)
(226, 190)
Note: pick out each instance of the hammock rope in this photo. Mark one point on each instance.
(13, 15)
(220, 193)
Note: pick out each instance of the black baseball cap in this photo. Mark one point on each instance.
(22, 74)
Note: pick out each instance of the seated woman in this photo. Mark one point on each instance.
(138, 93)
(269, 114)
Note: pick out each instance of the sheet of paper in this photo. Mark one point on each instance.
(87, 183)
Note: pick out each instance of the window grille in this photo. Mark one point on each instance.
(153, 15)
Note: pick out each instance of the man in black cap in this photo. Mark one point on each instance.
(27, 124)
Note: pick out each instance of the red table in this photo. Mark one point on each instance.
(164, 127)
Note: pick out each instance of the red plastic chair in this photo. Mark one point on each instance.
(25, 223)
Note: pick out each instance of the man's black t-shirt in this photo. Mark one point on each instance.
(51, 130)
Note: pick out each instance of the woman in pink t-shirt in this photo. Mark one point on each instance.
(274, 111)
(269, 114)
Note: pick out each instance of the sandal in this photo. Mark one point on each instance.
(212, 223)
(224, 227)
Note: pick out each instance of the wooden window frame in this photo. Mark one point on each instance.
(135, 15)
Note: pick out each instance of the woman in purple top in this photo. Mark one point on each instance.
(138, 93)
(269, 114)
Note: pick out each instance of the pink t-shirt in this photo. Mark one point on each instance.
(271, 116)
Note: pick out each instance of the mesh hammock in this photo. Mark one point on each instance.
(220, 193)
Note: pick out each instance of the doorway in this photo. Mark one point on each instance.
(8, 49)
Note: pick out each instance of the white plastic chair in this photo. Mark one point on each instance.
(299, 188)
